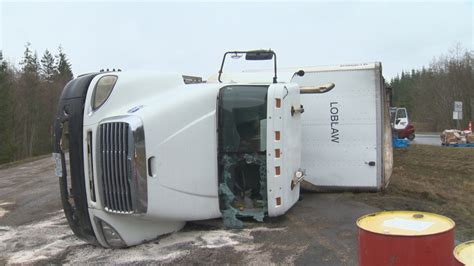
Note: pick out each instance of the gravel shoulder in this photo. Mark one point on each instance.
(319, 230)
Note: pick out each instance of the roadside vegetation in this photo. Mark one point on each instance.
(28, 99)
(429, 93)
(30, 91)
(433, 179)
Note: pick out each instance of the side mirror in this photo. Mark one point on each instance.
(397, 121)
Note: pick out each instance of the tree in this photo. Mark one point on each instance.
(48, 67)
(7, 148)
(28, 102)
(63, 66)
(29, 64)
(28, 108)
(429, 94)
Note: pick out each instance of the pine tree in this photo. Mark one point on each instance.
(28, 100)
(29, 64)
(63, 66)
(28, 91)
(48, 67)
(6, 109)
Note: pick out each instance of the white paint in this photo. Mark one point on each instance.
(406, 224)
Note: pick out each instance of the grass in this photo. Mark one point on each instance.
(433, 179)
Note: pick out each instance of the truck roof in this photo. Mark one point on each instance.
(285, 74)
(341, 67)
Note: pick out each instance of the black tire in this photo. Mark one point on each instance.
(411, 137)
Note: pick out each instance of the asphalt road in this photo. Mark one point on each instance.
(427, 139)
(318, 230)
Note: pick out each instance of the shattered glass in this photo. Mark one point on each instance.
(242, 154)
(249, 203)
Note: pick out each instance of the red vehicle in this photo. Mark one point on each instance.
(408, 132)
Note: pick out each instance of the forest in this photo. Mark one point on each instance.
(29, 93)
(429, 93)
(28, 98)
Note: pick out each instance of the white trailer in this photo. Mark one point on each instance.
(347, 139)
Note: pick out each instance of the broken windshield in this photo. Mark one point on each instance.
(242, 162)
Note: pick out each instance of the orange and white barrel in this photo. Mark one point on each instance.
(464, 254)
(405, 238)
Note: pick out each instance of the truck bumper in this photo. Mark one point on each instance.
(68, 137)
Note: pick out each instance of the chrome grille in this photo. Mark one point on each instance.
(115, 149)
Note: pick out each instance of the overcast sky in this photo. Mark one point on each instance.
(190, 38)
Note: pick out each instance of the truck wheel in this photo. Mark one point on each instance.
(411, 137)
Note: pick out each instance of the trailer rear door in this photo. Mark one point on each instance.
(340, 130)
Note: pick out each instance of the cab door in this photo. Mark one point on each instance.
(401, 118)
(283, 147)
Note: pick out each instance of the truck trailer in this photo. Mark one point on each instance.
(347, 137)
(346, 133)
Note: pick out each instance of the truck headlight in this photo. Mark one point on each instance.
(111, 236)
(102, 90)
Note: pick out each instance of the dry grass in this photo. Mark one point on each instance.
(433, 179)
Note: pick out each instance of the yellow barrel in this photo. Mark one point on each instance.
(405, 223)
(412, 237)
(464, 253)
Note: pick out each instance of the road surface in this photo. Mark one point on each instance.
(427, 139)
(318, 230)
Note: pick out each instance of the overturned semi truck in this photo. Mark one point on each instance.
(139, 154)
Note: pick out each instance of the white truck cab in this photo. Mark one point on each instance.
(149, 152)
(399, 117)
